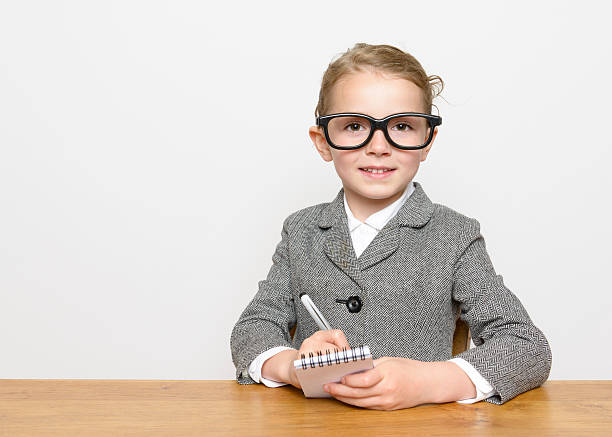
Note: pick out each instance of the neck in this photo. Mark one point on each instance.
(363, 207)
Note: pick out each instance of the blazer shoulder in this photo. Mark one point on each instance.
(302, 218)
(451, 220)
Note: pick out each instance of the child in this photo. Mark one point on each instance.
(416, 266)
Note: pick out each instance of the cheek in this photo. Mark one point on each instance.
(344, 162)
(341, 168)
(411, 158)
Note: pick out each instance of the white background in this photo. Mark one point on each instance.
(149, 152)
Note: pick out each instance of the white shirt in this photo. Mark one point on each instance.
(362, 235)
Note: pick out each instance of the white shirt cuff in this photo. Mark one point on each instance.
(483, 388)
(257, 364)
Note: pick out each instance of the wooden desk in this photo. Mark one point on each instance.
(197, 408)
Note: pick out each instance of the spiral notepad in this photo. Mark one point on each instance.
(315, 371)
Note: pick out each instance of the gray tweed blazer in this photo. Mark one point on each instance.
(424, 269)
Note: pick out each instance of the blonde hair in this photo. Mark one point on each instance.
(381, 58)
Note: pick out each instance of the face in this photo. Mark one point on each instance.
(378, 95)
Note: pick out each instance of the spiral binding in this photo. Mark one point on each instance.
(335, 357)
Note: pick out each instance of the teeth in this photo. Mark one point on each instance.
(375, 171)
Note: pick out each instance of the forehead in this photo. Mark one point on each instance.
(376, 94)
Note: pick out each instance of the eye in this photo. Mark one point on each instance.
(403, 127)
(354, 127)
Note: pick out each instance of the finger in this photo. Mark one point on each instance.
(339, 338)
(336, 389)
(363, 379)
(314, 347)
(333, 336)
(382, 360)
(373, 402)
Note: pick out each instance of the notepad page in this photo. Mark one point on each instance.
(312, 379)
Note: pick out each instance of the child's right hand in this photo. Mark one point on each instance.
(319, 341)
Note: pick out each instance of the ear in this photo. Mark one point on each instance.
(425, 151)
(318, 139)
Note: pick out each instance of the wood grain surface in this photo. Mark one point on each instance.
(201, 408)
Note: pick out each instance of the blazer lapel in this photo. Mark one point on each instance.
(382, 246)
(338, 245)
(415, 213)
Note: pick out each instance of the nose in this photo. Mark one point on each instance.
(378, 143)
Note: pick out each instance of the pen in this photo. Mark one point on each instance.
(314, 312)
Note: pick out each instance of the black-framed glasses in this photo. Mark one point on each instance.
(404, 130)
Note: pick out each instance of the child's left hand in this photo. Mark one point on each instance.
(393, 383)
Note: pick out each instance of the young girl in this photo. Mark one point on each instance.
(415, 266)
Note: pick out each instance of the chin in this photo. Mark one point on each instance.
(378, 194)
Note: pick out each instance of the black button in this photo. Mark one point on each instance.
(353, 303)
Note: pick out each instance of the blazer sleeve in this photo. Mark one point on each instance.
(266, 321)
(511, 353)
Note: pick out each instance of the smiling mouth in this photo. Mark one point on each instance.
(377, 171)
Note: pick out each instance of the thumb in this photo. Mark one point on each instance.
(381, 360)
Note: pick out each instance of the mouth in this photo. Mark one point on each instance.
(377, 172)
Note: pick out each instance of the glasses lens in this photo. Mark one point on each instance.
(409, 131)
(348, 131)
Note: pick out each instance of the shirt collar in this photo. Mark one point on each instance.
(379, 219)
